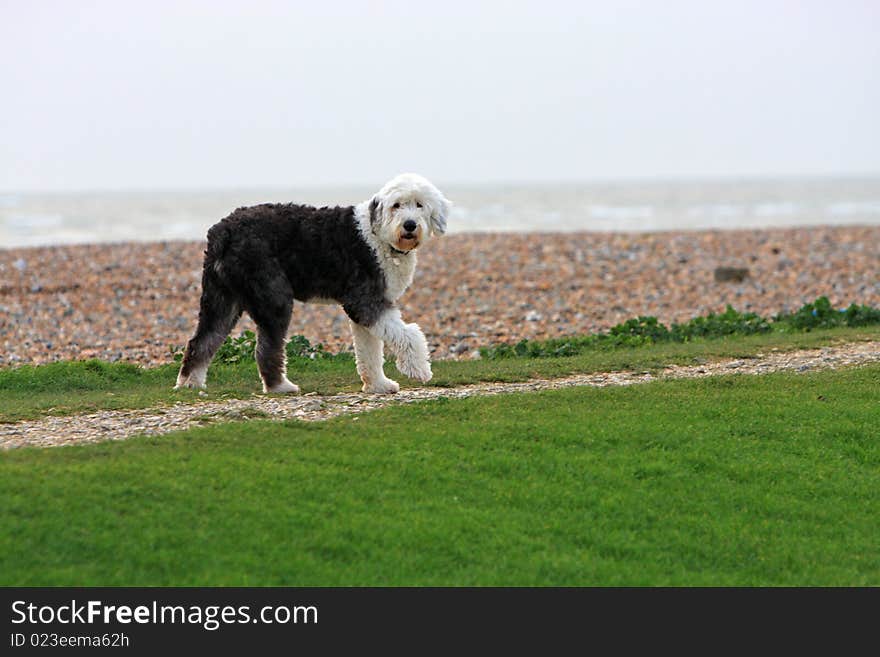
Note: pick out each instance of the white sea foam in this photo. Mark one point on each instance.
(777, 209)
(850, 208)
(28, 223)
(621, 212)
(32, 219)
(716, 211)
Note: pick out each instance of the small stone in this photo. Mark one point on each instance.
(731, 274)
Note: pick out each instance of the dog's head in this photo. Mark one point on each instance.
(408, 210)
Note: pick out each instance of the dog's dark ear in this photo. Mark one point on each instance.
(374, 210)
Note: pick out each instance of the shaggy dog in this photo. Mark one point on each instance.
(262, 258)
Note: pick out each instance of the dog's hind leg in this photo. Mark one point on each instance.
(272, 326)
(218, 313)
(368, 354)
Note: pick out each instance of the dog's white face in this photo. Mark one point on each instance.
(407, 211)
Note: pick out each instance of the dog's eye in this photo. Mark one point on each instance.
(395, 206)
(418, 205)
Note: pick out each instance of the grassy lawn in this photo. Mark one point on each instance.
(736, 480)
(64, 388)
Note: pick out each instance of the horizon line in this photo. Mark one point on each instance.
(500, 182)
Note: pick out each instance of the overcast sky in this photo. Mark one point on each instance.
(109, 95)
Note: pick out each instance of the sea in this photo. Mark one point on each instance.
(41, 219)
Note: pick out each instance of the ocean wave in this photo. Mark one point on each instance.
(618, 212)
(849, 208)
(28, 222)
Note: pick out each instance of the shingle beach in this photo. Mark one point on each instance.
(132, 301)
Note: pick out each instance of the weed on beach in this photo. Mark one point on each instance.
(634, 332)
(648, 330)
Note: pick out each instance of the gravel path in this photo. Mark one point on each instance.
(120, 425)
(131, 301)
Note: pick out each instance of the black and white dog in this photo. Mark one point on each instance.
(262, 258)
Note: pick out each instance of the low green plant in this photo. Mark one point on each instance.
(242, 349)
(646, 330)
(818, 314)
(861, 315)
(636, 332)
(238, 349)
(821, 314)
(730, 322)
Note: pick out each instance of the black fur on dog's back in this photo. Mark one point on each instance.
(259, 259)
(265, 251)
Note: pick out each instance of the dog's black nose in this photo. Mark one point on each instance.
(409, 225)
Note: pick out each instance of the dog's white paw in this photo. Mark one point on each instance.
(413, 359)
(196, 379)
(192, 385)
(418, 370)
(284, 387)
(382, 387)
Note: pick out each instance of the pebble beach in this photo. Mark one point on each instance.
(132, 301)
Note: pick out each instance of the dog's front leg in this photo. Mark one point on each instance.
(369, 357)
(406, 341)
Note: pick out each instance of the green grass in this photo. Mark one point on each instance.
(75, 387)
(737, 480)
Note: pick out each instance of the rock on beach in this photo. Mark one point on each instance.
(131, 301)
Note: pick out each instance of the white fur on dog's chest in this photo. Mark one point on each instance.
(398, 270)
(398, 275)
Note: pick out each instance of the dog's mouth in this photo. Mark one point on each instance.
(407, 242)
